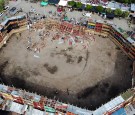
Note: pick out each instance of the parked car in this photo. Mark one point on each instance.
(1, 14)
(6, 8)
(13, 11)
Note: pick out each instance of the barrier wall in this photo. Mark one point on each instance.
(10, 26)
(124, 41)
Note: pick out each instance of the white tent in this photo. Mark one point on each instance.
(62, 3)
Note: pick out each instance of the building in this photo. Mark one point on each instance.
(22, 102)
(124, 40)
(10, 26)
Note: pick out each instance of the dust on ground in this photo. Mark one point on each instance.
(86, 77)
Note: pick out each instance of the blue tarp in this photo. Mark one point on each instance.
(121, 111)
(44, 3)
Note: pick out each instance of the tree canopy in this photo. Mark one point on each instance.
(71, 3)
(125, 14)
(2, 3)
(108, 10)
(88, 7)
(118, 12)
(99, 8)
(126, 1)
(79, 4)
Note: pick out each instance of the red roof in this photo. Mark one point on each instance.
(18, 100)
(38, 105)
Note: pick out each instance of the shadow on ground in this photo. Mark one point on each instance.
(91, 97)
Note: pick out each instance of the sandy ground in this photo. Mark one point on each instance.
(102, 73)
(96, 64)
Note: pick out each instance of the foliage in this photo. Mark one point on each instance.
(2, 3)
(118, 12)
(126, 1)
(125, 14)
(88, 7)
(71, 3)
(99, 8)
(79, 4)
(108, 10)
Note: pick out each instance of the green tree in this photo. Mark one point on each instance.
(132, 1)
(88, 7)
(71, 3)
(99, 8)
(6, 1)
(125, 14)
(126, 1)
(2, 3)
(118, 12)
(79, 4)
(108, 10)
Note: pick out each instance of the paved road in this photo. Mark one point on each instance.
(26, 6)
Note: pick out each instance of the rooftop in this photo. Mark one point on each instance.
(132, 7)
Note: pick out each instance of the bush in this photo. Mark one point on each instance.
(2, 3)
(99, 8)
(88, 7)
(108, 10)
(79, 5)
(71, 3)
(125, 14)
(125, 1)
(118, 12)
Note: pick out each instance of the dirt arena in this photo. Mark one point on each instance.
(86, 77)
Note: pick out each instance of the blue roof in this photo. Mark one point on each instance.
(121, 111)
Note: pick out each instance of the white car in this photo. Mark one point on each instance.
(87, 14)
(1, 14)
(6, 8)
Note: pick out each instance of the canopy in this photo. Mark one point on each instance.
(66, 18)
(49, 109)
(6, 96)
(53, 1)
(63, 3)
(87, 14)
(44, 3)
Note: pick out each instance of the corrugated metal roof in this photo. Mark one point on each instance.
(108, 106)
(16, 107)
(121, 111)
(12, 18)
(131, 40)
(132, 7)
(79, 111)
